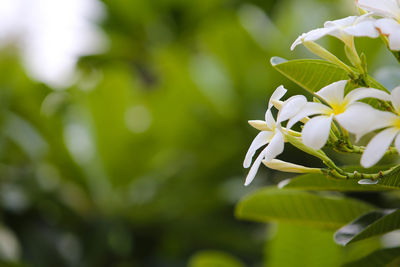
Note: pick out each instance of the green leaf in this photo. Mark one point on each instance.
(313, 74)
(324, 211)
(383, 257)
(371, 224)
(295, 245)
(214, 259)
(376, 84)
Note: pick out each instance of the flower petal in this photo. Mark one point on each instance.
(338, 26)
(360, 118)
(276, 95)
(377, 147)
(275, 147)
(254, 168)
(396, 99)
(391, 28)
(269, 119)
(312, 35)
(340, 23)
(364, 28)
(261, 139)
(311, 108)
(363, 92)
(333, 93)
(316, 131)
(387, 26)
(385, 8)
(291, 107)
(394, 40)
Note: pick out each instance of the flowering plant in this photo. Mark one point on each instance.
(348, 108)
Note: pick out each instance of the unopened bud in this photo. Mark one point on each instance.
(259, 125)
(284, 166)
(325, 54)
(277, 104)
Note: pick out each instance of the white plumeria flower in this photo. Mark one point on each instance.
(390, 24)
(343, 29)
(316, 131)
(272, 134)
(369, 119)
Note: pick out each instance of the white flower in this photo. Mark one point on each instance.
(370, 119)
(316, 131)
(390, 24)
(343, 29)
(384, 8)
(271, 133)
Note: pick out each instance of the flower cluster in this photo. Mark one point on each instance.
(383, 17)
(333, 114)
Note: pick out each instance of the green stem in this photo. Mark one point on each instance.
(352, 54)
(333, 170)
(291, 132)
(357, 175)
(360, 149)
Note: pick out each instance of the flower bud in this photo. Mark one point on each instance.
(280, 165)
(325, 54)
(277, 104)
(259, 125)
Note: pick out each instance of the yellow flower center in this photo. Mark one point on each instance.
(396, 123)
(338, 109)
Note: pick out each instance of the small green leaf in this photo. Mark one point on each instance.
(214, 259)
(383, 257)
(313, 74)
(293, 206)
(371, 224)
(376, 84)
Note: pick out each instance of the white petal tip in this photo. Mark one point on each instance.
(259, 125)
(366, 164)
(249, 179)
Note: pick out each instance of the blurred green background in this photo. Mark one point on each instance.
(139, 163)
